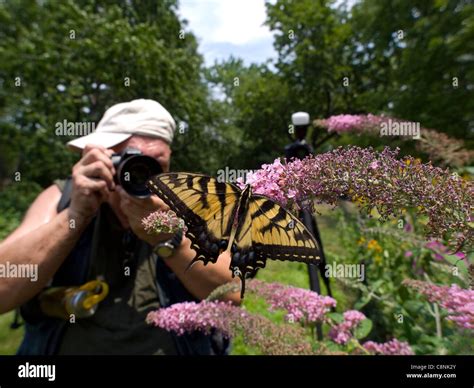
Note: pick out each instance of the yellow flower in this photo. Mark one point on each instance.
(361, 241)
(373, 245)
(378, 259)
(360, 199)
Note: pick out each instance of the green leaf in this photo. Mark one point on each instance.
(336, 317)
(332, 346)
(413, 306)
(376, 285)
(362, 302)
(403, 293)
(363, 329)
(457, 262)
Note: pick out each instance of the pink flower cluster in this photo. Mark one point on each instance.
(437, 145)
(457, 301)
(390, 348)
(268, 181)
(440, 250)
(352, 123)
(231, 320)
(301, 305)
(343, 332)
(376, 179)
(163, 222)
(259, 332)
(191, 316)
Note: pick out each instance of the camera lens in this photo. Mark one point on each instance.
(134, 172)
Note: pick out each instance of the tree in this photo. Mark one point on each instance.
(311, 38)
(71, 60)
(255, 110)
(414, 60)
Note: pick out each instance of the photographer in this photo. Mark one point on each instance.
(90, 228)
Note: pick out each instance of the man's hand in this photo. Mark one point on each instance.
(92, 181)
(138, 208)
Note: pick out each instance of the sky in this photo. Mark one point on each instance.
(229, 27)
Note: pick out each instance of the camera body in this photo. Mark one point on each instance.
(133, 169)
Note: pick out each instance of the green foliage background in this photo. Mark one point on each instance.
(71, 60)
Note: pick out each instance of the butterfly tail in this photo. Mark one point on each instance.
(242, 288)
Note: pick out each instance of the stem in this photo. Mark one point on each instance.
(435, 313)
(359, 346)
(439, 332)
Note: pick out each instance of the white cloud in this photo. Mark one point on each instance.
(229, 25)
(230, 21)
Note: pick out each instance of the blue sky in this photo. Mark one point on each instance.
(229, 27)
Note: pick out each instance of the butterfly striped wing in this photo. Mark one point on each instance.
(206, 205)
(271, 232)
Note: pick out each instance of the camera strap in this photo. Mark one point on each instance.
(65, 200)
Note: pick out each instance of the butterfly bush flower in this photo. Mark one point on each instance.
(230, 320)
(438, 249)
(267, 181)
(390, 348)
(258, 331)
(458, 302)
(378, 180)
(437, 145)
(301, 305)
(351, 123)
(191, 316)
(163, 222)
(342, 332)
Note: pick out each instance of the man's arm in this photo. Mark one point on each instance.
(43, 239)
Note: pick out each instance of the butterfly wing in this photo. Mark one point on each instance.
(270, 232)
(206, 205)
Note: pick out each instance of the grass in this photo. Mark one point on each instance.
(9, 338)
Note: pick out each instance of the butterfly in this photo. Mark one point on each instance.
(222, 217)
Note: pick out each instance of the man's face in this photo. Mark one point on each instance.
(156, 148)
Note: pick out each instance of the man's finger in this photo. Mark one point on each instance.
(95, 155)
(92, 184)
(98, 170)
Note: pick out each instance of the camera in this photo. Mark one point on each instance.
(133, 169)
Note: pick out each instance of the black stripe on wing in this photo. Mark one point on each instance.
(197, 191)
(278, 235)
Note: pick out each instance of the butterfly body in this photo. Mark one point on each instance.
(222, 217)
